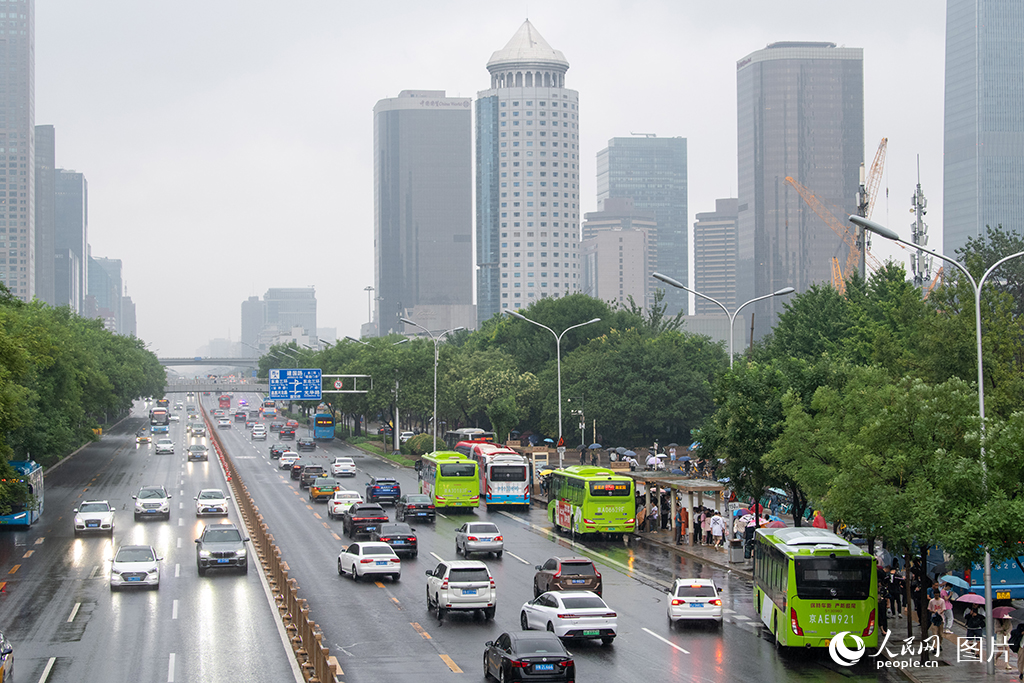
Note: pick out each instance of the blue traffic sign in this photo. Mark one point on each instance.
(296, 384)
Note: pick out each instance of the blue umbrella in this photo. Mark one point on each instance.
(621, 450)
(685, 458)
(955, 580)
(630, 454)
(549, 440)
(596, 445)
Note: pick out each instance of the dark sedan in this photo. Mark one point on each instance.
(297, 468)
(528, 656)
(198, 451)
(414, 506)
(401, 537)
(305, 445)
(276, 451)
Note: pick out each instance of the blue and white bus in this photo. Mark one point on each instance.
(504, 474)
(30, 473)
(323, 427)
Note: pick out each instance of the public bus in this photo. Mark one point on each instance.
(269, 409)
(31, 474)
(450, 479)
(159, 416)
(504, 474)
(592, 500)
(323, 427)
(452, 438)
(163, 403)
(224, 401)
(810, 584)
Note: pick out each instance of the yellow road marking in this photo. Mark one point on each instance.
(3, 586)
(310, 507)
(316, 514)
(28, 554)
(420, 630)
(40, 540)
(451, 664)
(378, 584)
(336, 536)
(326, 525)
(14, 568)
(397, 604)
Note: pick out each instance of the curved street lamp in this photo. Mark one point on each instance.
(885, 232)
(558, 356)
(732, 316)
(437, 341)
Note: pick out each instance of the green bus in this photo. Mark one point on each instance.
(811, 584)
(450, 479)
(591, 500)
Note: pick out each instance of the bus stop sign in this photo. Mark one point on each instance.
(296, 384)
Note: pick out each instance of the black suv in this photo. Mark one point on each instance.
(221, 545)
(362, 518)
(414, 506)
(297, 468)
(383, 488)
(198, 451)
(276, 451)
(311, 473)
(305, 445)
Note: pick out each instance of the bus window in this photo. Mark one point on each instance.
(508, 473)
(458, 470)
(839, 578)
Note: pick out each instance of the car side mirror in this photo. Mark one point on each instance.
(245, 540)
(198, 540)
(6, 651)
(74, 510)
(134, 497)
(429, 573)
(489, 643)
(537, 567)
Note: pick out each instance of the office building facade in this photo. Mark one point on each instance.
(618, 253)
(17, 150)
(46, 228)
(527, 178)
(423, 210)
(652, 172)
(71, 236)
(290, 308)
(983, 150)
(105, 283)
(714, 258)
(800, 113)
(254, 315)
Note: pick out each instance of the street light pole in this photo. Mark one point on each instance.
(885, 232)
(732, 316)
(437, 341)
(558, 357)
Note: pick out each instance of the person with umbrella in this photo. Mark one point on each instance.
(974, 619)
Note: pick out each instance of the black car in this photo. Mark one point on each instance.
(362, 518)
(198, 451)
(305, 445)
(297, 469)
(414, 506)
(383, 488)
(275, 426)
(401, 537)
(276, 451)
(286, 433)
(240, 416)
(528, 656)
(221, 545)
(311, 473)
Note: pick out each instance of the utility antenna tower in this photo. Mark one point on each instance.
(920, 263)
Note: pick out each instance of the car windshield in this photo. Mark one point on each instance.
(222, 536)
(343, 461)
(211, 494)
(578, 568)
(152, 493)
(94, 507)
(508, 473)
(532, 646)
(467, 574)
(695, 591)
(483, 529)
(135, 555)
(458, 470)
(324, 483)
(398, 528)
(384, 482)
(197, 447)
(584, 602)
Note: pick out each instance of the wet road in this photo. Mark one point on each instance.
(382, 631)
(67, 626)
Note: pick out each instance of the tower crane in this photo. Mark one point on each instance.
(867, 195)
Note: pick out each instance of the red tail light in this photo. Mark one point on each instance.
(430, 507)
(567, 662)
(498, 538)
(491, 579)
(716, 602)
(472, 538)
(395, 559)
(587, 521)
(678, 601)
(444, 583)
(794, 622)
(519, 665)
(366, 561)
(871, 625)
(610, 615)
(384, 540)
(568, 616)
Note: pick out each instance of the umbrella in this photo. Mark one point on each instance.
(737, 513)
(631, 454)
(660, 455)
(596, 445)
(956, 581)
(1001, 612)
(621, 450)
(672, 445)
(972, 598)
(685, 458)
(549, 440)
(778, 491)
(777, 524)
(544, 473)
(724, 480)
(746, 511)
(581, 447)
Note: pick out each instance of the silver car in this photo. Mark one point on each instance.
(479, 537)
(135, 565)
(211, 502)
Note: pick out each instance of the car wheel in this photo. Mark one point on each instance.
(136, 516)
(341, 572)
(415, 553)
(441, 612)
(396, 577)
(457, 551)
(608, 640)
(498, 554)
(501, 673)
(551, 627)
(76, 533)
(524, 623)
(355, 574)
(487, 671)
(245, 567)
(489, 613)
(202, 570)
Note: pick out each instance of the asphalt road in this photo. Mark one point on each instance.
(382, 631)
(67, 626)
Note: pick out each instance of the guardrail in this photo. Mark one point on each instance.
(315, 660)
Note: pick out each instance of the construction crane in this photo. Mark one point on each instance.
(931, 285)
(867, 194)
(838, 283)
(853, 256)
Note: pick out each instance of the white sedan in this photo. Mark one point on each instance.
(362, 559)
(343, 467)
(287, 459)
(135, 565)
(94, 515)
(341, 501)
(164, 446)
(571, 614)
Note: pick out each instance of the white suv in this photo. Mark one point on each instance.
(461, 585)
(164, 446)
(152, 501)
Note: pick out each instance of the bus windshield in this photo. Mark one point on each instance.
(609, 488)
(839, 578)
(467, 469)
(508, 473)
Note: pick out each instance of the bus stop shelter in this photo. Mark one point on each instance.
(679, 485)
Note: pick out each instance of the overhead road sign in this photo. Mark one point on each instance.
(296, 384)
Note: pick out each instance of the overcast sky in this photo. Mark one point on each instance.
(228, 143)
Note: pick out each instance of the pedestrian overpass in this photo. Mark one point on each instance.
(216, 388)
(211, 361)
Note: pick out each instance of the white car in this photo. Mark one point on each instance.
(405, 436)
(224, 423)
(343, 467)
(165, 446)
(461, 585)
(577, 615)
(694, 599)
(258, 432)
(362, 559)
(211, 502)
(479, 537)
(94, 515)
(341, 501)
(152, 501)
(135, 565)
(174, 418)
(287, 459)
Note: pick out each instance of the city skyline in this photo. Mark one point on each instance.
(223, 144)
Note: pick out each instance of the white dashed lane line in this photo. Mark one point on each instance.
(667, 642)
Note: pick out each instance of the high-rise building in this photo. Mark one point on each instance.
(800, 113)
(652, 172)
(714, 258)
(129, 327)
(423, 210)
(46, 228)
(290, 308)
(527, 177)
(71, 220)
(617, 254)
(983, 151)
(17, 149)
(254, 315)
(105, 286)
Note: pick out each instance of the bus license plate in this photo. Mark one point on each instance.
(543, 667)
(591, 633)
(696, 604)
(1002, 595)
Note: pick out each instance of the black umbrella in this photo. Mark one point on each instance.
(581, 447)
(672, 445)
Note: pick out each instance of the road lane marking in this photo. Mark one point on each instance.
(74, 611)
(92, 574)
(174, 610)
(440, 515)
(46, 671)
(336, 536)
(316, 514)
(181, 505)
(451, 664)
(170, 669)
(378, 584)
(420, 630)
(517, 557)
(667, 642)
(395, 600)
(40, 540)
(179, 541)
(177, 570)
(28, 553)
(14, 568)
(436, 556)
(181, 522)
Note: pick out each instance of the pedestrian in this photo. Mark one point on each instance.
(819, 520)
(583, 456)
(652, 462)
(897, 589)
(696, 526)
(947, 613)
(682, 522)
(593, 457)
(1016, 635)
(641, 517)
(974, 621)
(936, 606)
(666, 510)
(705, 526)
(718, 529)
(883, 602)
(654, 516)
(1004, 629)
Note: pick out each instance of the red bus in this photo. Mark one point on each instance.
(225, 401)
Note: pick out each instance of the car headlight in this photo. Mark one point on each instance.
(204, 553)
(240, 553)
